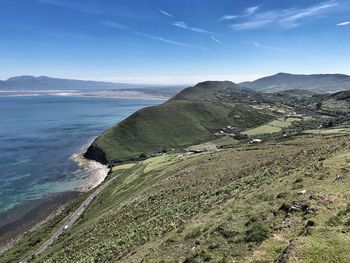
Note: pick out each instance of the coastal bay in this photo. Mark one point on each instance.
(40, 139)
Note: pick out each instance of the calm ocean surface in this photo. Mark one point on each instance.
(38, 136)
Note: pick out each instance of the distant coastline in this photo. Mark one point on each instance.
(119, 94)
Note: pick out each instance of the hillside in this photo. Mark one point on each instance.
(281, 201)
(337, 102)
(174, 124)
(319, 83)
(197, 114)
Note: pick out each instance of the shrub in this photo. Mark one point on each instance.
(347, 223)
(282, 195)
(226, 231)
(334, 221)
(257, 233)
(310, 223)
(285, 207)
(298, 180)
(194, 233)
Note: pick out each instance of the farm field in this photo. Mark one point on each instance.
(272, 127)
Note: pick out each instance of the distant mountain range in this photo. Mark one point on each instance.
(47, 83)
(26, 85)
(320, 83)
(317, 83)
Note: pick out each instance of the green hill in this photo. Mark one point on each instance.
(218, 91)
(192, 116)
(177, 123)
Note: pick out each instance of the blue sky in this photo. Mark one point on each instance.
(173, 41)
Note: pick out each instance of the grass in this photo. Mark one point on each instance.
(264, 129)
(122, 167)
(236, 204)
(223, 142)
(329, 131)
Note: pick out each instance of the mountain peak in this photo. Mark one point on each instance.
(212, 83)
(216, 90)
(21, 77)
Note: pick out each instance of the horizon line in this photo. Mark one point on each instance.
(172, 80)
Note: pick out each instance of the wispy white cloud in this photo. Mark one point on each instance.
(266, 47)
(228, 17)
(251, 10)
(165, 13)
(183, 25)
(216, 40)
(346, 23)
(287, 18)
(253, 24)
(293, 19)
(248, 12)
(113, 24)
(168, 41)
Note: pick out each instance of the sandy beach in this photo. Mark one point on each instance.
(97, 171)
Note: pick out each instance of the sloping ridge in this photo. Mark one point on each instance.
(192, 116)
(321, 83)
(217, 91)
(337, 102)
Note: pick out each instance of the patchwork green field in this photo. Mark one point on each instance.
(340, 130)
(272, 127)
(223, 142)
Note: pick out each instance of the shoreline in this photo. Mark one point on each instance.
(97, 171)
(21, 219)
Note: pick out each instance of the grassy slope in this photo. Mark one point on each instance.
(173, 124)
(239, 204)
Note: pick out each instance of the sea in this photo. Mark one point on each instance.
(40, 134)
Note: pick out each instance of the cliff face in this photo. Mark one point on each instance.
(96, 154)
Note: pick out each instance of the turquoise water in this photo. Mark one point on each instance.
(38, 136)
